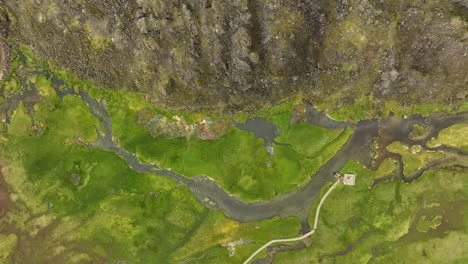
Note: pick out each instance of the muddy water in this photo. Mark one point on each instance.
(315, 117)
(359, 147)
(394, 129)
(298, 202)
(269, 131)
(261, 128)
(294, 203)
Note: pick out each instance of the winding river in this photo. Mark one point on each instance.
(298, 202)
(367, 146)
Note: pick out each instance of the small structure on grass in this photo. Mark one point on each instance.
(347, 179)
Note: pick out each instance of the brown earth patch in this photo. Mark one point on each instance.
(211, 130)
(298, 113)
(3, 60)
(5, 202)
(31, 100)
(452, 213)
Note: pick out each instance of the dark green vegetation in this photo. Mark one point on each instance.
(62, 202)
(351, 57)
(56, 186)
(393, 222)
(243, 166)
(454, 136)
(413, 157)
(237, 160)
(421, 222)
(84, 205)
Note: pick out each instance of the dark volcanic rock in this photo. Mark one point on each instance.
(241, 55)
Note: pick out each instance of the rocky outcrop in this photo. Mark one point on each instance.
(241, 55)
(159, 125)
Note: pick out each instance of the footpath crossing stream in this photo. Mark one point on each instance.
(317, 212)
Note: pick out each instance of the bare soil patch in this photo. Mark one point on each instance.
(3, 60)
(5, 201)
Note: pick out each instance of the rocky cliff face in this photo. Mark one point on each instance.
(240, 55)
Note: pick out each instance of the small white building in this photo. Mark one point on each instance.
(349, 179)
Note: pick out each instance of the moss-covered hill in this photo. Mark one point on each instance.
(242, 55)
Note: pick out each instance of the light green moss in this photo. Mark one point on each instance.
(418, 132)
(412, 158)
(425, 224)
(7, 246)
(455, 136)
(21, 123)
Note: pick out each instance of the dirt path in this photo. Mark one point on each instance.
(3, 60)
(296, 238)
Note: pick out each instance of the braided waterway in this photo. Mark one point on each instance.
(360, 147)
(298, 202)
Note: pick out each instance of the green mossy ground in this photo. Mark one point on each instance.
(243, 166)
(420, 222)
(387, 167)
(82, 204)
(405, 219)
(455, 136)
(413, 158)
(58, 186)
(101, 203)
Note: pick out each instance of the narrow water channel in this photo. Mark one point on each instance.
(298, 202)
